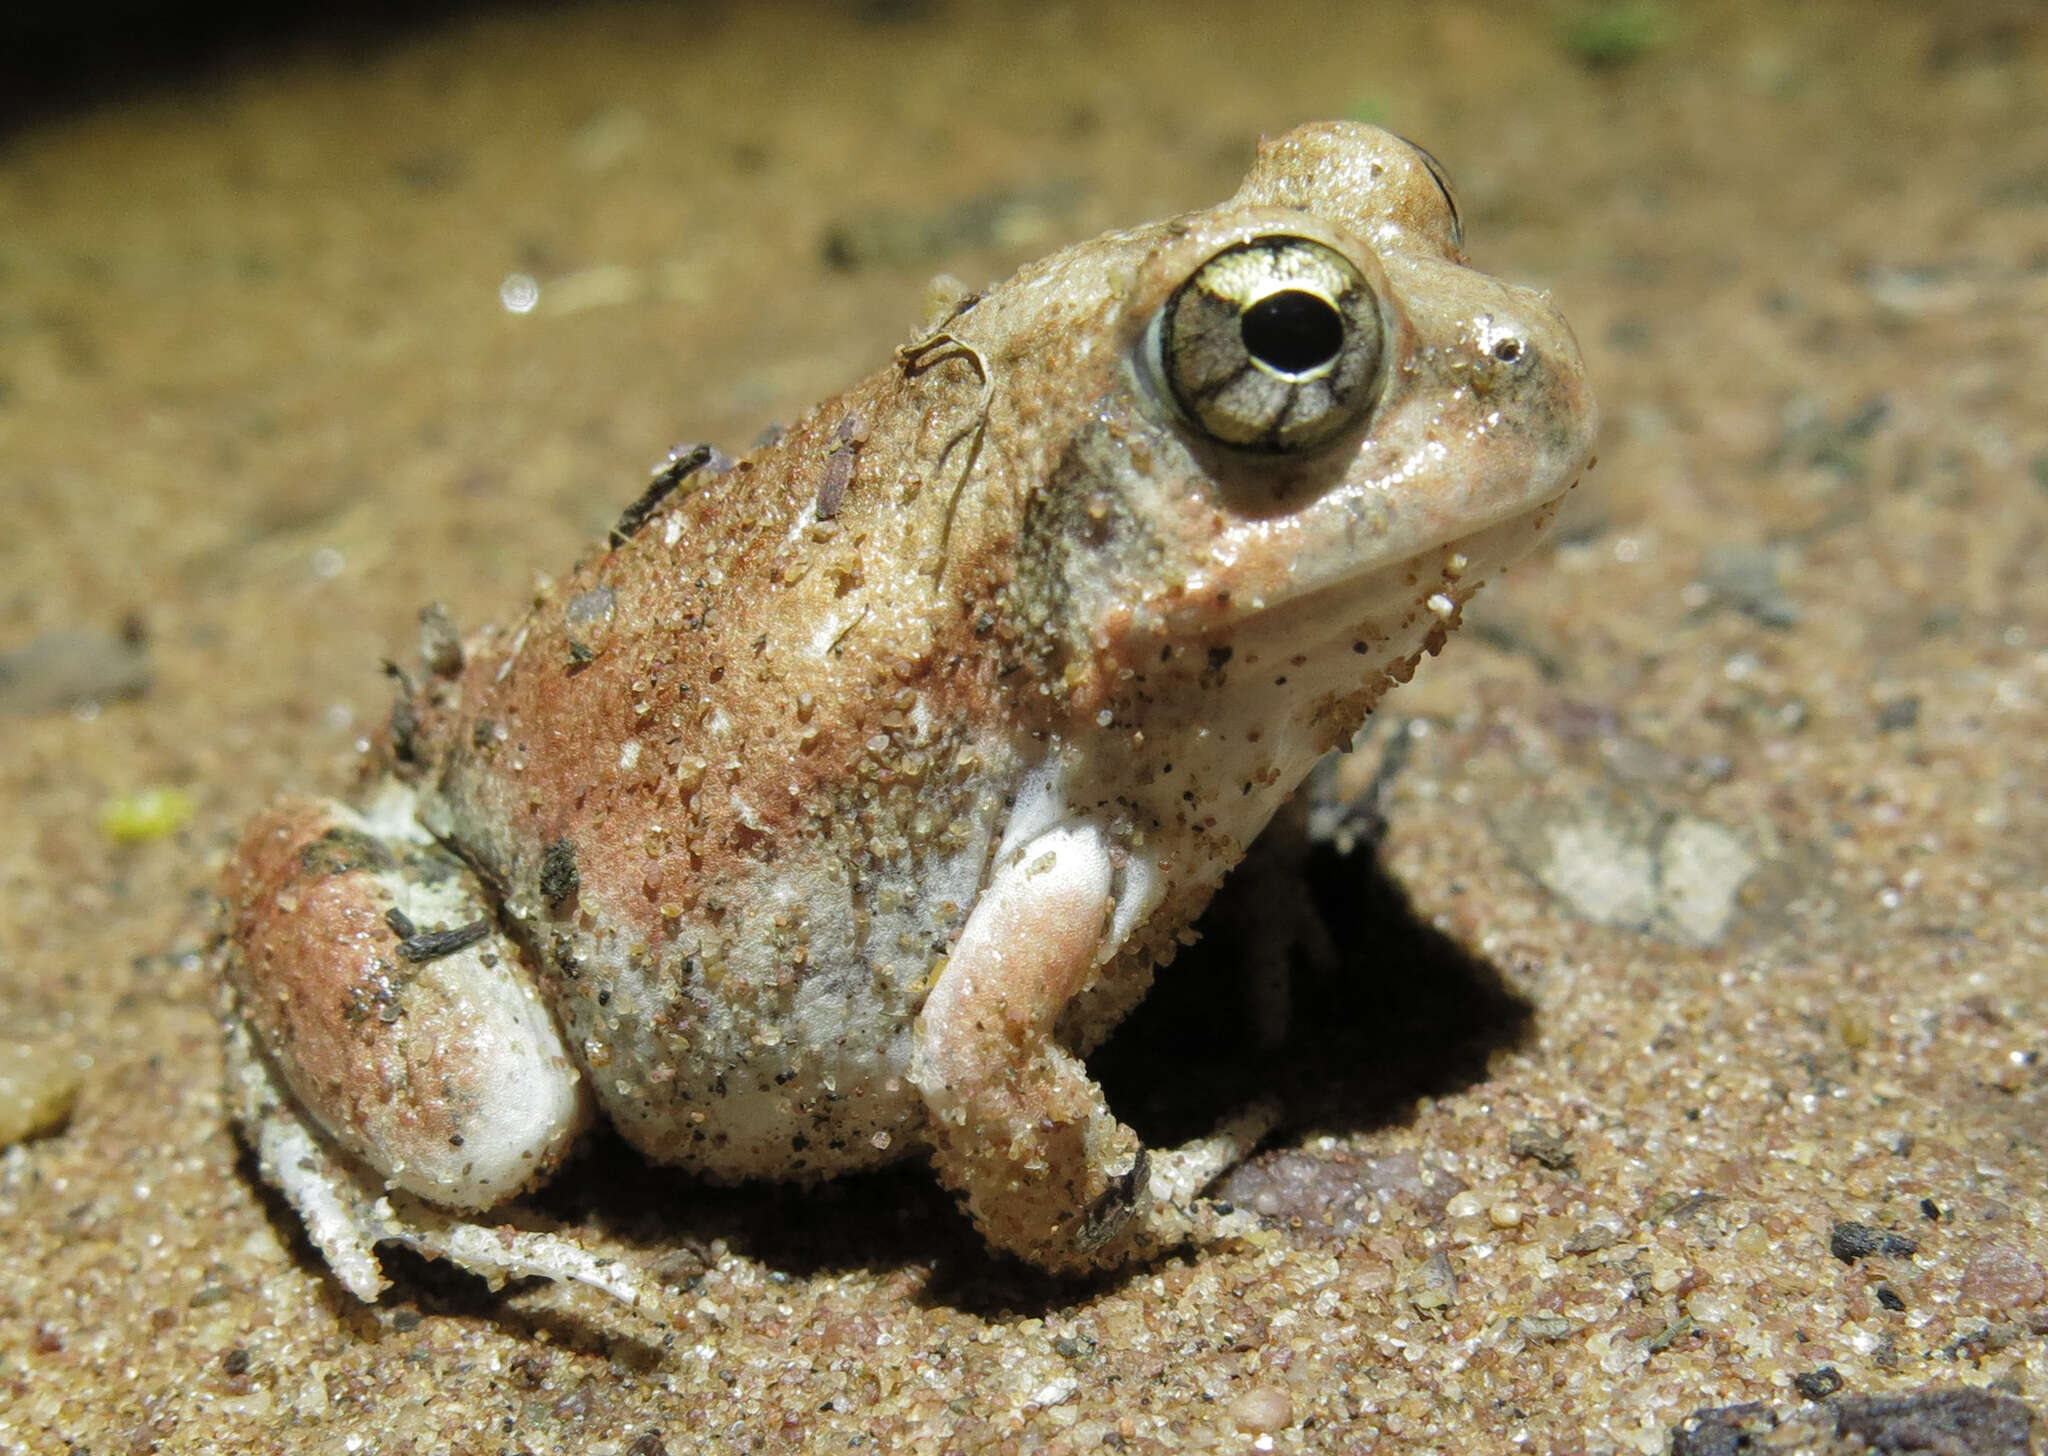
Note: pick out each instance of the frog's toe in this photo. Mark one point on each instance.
(1180, 1174)
(500, 1252)
(1166, 1208)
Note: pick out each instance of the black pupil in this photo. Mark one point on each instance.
(1292, 331)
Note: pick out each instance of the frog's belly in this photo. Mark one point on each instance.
(820, 1092)
(775, 1040)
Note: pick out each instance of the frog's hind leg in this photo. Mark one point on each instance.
(390, 1058)
(348, 1210)
(334, 1198)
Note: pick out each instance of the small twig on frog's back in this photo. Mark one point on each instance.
(932, 350)
(682, 462)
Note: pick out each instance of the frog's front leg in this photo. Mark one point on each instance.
(1017, 1126)
(390, 1059)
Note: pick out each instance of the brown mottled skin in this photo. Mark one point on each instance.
(838, 806)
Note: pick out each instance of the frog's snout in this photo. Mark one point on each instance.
(1540, 340)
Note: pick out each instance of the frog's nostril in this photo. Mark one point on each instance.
(1507, 350)
(1293, 332)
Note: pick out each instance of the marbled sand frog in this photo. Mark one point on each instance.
(852, 792)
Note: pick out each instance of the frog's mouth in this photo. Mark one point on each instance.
(1321, 578)
(1390, 609)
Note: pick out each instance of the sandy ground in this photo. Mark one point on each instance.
(1711, 904)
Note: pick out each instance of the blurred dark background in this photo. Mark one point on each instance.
(56, 58)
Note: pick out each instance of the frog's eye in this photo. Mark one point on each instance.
(1273, 345)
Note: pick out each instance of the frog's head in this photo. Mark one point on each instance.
(1317, 431)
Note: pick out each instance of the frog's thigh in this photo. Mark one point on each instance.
(442, 1070)
(1017, 1126)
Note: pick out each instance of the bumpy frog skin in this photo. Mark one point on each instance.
(852, 793)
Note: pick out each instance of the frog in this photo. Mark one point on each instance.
(839, 803)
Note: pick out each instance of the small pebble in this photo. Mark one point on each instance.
(1593, 1238)
(1433, 1285)
(67, 669)
(1546, 1327)
(1852, 1241)
(1263, 1408)
(38, 1087)
(2001, 1276)
(1818, 1384)
(1542, 1144)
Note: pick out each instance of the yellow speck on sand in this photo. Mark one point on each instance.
(147, 814)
